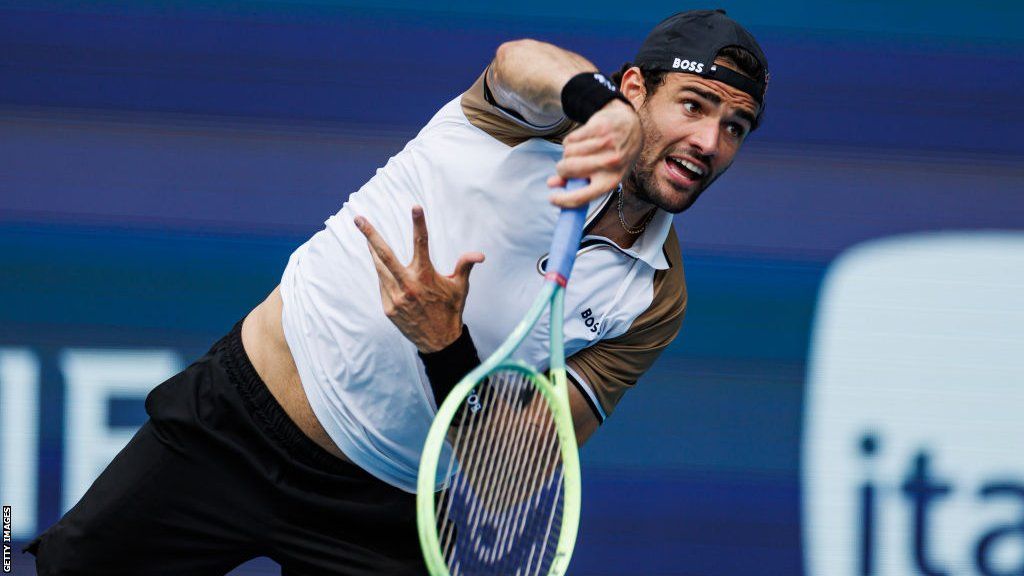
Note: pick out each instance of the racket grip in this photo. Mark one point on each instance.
(566, 240)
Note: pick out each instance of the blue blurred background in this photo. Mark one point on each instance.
(159, 161)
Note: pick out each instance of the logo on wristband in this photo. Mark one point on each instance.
(604, 81)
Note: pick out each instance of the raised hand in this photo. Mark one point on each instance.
(424, 305)
(603, 150)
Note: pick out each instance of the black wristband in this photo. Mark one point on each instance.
(449, 365)
(586, 93)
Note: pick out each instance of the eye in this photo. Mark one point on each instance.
(691, 106)
(735, 130)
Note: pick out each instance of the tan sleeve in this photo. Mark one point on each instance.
(505, 125)
(610, 367)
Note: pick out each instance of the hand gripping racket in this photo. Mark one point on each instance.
(498, 491)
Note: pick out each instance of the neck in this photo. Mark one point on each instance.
(634, 210)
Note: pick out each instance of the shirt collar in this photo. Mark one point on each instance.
(650, 246)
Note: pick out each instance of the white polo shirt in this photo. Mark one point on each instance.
(480, 175)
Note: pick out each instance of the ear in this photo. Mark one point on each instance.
(632, 87)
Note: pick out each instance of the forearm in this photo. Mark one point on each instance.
(527, 76)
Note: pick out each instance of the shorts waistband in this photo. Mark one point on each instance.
(269, 414)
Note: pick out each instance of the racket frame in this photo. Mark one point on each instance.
(554, 391)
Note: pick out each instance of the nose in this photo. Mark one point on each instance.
(705, 137)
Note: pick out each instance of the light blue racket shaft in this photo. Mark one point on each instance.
(566, 240)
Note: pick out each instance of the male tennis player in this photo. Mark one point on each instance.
(298, 435)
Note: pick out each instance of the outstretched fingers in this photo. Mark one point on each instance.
(382, 252)
(425, 306)
(420, 241)
(465, 265)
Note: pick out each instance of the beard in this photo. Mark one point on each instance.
(643, 182)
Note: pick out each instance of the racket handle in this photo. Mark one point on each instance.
(566, 241)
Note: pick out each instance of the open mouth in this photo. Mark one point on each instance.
(687, 168)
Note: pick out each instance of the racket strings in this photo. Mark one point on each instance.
(501, 510)
(470, 438)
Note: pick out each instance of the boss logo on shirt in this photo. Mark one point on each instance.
(589, 321)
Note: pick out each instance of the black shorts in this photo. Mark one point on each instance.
(218, 475)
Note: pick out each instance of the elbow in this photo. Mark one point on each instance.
(513, 50)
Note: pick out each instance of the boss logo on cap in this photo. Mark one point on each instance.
(688, 65)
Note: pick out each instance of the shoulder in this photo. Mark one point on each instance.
(610, 367)
(657, 325)
(504, 124)
(668, 303)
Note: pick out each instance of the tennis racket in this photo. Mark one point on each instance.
(498, 491)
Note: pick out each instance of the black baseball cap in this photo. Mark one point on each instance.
(690, 41)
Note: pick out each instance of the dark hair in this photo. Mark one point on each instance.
(742, 61)
(736, 57)
(652, 78)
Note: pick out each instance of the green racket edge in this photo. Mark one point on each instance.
(555, 394)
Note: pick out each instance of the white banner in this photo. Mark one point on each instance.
(913, 454)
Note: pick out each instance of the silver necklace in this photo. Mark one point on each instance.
(643, 225)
